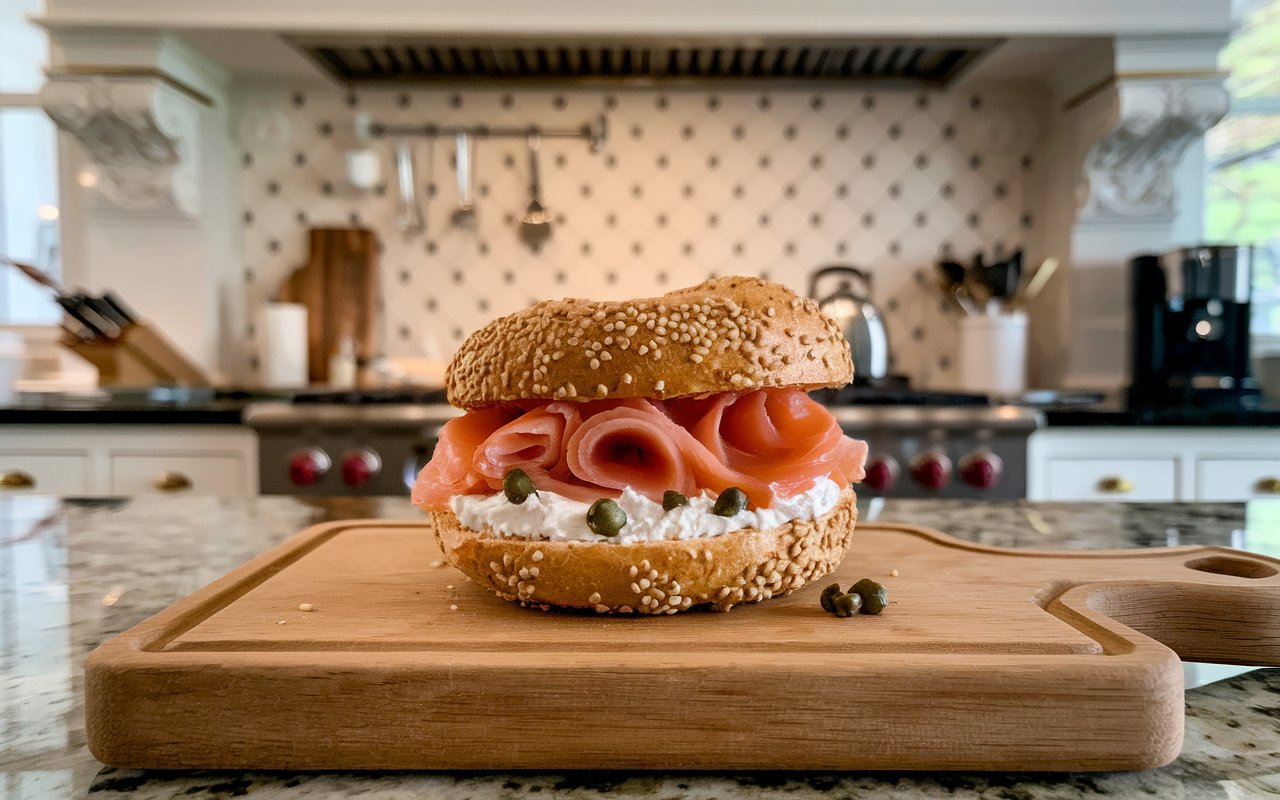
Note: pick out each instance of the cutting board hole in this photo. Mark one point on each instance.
(1236, 567)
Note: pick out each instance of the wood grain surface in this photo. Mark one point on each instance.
(339, 287)
(986, 659)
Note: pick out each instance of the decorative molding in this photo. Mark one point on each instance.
(140, 132)
(1147, 126)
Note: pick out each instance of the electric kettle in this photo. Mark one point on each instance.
(849, 304)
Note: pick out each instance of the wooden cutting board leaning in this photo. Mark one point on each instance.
(986, 659)
(339, 287)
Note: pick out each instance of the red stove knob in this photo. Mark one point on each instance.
(981, 469)
(359, 467)
(881, 474)
(308, 466)
(932, 470)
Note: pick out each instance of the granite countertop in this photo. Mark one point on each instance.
(75, 572)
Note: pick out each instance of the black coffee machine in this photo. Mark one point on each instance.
(1190, 336)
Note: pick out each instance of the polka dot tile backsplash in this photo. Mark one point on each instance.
(689, 184)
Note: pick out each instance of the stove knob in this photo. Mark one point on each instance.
(932, 470)
(981, 469)
(359, 467)
(308, 466)
(882, 473)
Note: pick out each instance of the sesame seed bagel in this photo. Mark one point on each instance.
(727, 334)
(664, 577)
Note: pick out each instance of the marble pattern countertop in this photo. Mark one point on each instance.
(75, 572)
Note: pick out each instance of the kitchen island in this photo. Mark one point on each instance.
(74, 572)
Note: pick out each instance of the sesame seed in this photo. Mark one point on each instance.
(600, 609)
(653, 573)
(645, 583)
(533, 572)
(537, 555)
(449, 586)
(634, 570)
(282, 622)
(594, 598)
(305, 607)
(771, 311)
(595, 363)
(626, 377)
(602, 390)
(453, 607)
(506, 560)
(635, 587)
(608, 340)
(893, 573)
(660, 386)
(642, 349)
(625, 609)
(606, 356)
(696, 358)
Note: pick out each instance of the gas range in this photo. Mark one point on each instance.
(922, 444)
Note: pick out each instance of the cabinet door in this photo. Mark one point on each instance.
(66, 473)
(1236, 479)
(220, 474)
(1113, 479)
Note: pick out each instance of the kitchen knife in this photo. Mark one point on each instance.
(122, 311)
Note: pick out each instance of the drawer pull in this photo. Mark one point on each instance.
(171, 482)
(1268, 486)
(17, 479)
(1114, 484)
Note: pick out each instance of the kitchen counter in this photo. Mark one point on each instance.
(176, 407)
(1117, 415)
(75, 572)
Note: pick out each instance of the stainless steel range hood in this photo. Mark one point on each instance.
(425, 59)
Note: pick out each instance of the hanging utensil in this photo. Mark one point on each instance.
(535, 225)
(464, 156)
(861, 322)
(409, 217)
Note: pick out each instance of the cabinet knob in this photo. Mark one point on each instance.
(17, 479)
(171, 482)
(1268, 486)
(1115, 484)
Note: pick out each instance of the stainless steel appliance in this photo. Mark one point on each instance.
(849, 304)
(922, 444)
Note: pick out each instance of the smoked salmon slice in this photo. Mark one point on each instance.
(770, 443)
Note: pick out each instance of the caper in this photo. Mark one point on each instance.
(517, 486)
(732, 501)
(605, 517)
(829, 594)
(846, 605)
(874, 596)
(671, 499)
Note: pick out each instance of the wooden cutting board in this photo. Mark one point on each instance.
(986, 659)
(339, 287)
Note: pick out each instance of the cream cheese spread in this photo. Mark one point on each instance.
(553, 517)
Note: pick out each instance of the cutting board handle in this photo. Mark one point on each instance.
(1210, 604)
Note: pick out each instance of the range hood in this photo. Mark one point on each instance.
(902, 61)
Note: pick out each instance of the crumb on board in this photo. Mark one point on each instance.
(893, 573)
(453, 607)
(282, 622)
(437, 563)
(305, 607)
(448, 586)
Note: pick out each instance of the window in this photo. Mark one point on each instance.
(28, 170)
(1242, 203)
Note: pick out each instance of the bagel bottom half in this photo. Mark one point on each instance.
(664, 577)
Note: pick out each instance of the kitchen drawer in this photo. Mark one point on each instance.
(1114, 479)
(67, 473)
(1233, 479)
(152, 473)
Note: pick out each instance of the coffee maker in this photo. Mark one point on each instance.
(1190, 334)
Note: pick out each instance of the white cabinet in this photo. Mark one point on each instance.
(1230, 479)
(1135, 479)
(45, 472)
(1153, 464)
(128, 460)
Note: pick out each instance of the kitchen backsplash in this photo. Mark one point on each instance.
(690, 184)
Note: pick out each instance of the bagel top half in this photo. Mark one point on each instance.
(726, 334)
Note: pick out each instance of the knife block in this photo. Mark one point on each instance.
(139, 357)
